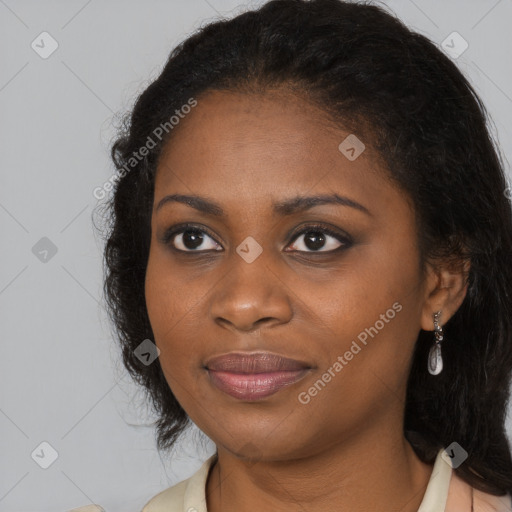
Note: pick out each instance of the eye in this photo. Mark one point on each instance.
(189, 238)
(319, 238)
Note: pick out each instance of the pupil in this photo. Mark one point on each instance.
(192, 236)
(316, 238)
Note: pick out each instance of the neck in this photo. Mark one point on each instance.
(369, 475)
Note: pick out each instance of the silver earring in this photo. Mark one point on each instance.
(435, 359)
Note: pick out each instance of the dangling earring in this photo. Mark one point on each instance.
(435, 360)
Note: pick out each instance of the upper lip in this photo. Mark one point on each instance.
(255, 362)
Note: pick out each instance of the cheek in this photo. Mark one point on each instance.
(373, 300)
(169, 292)
(167, 305)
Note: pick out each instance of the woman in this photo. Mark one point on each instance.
(311, 224)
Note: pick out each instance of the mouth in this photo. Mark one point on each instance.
(254, 376)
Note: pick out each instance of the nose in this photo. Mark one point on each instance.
(249, 296)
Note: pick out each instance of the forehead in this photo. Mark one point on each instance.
(255, 146)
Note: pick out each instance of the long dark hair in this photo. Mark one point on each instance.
(395, 89)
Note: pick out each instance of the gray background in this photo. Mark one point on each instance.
(61, 380)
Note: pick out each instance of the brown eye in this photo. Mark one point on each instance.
(319, 239)
(190, 239)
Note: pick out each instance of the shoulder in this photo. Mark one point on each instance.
(188, 494)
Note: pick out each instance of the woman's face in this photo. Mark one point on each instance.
(343, 299)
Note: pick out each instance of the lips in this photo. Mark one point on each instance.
(259, 362)
(254, 376)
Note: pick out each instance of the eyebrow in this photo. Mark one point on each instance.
(287, 207)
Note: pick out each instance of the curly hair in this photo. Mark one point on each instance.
(367, 71)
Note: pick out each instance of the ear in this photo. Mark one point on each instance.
(445, 290)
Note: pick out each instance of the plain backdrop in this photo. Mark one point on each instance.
(61, 380)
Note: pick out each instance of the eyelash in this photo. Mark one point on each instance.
(168, 236)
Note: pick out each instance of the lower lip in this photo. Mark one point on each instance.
(254, 386)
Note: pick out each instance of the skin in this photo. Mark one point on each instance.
(345, 449)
